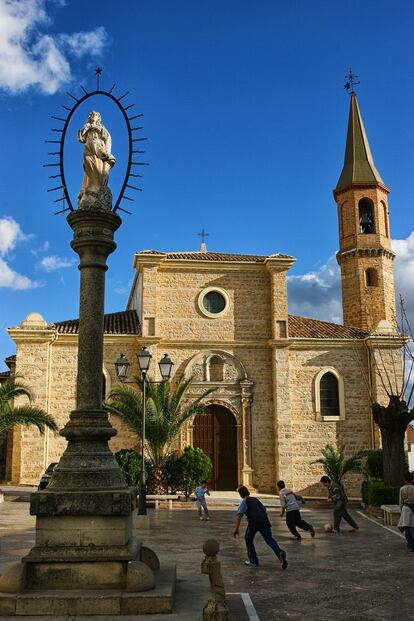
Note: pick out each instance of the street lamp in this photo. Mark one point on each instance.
(166, 367)
(144, 361)
(122, 366)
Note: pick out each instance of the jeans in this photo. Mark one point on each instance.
(202, 505)
(340, 511)
(409, 536)
(266, 533)
(293, 520)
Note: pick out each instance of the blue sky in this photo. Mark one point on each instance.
(245, 114)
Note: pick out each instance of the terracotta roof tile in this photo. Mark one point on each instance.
(215, 256)
(306, 328)
(125, 322)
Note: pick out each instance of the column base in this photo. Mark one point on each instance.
(71, 603)
(247, 477)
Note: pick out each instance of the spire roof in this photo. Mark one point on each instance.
(359, 165)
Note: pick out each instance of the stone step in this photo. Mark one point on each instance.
(75, 603)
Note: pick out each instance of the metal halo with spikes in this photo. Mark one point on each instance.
(61, 142)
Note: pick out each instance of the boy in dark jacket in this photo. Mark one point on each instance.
(257, 521)
(339, 498)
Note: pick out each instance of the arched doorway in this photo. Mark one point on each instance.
(215, 433)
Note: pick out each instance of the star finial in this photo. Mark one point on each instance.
(351, 81)
(98, 72)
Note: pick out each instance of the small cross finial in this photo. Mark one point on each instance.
(98, 72)
(351, 81)
(203, 235)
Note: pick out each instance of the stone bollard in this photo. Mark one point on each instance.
(216, 607)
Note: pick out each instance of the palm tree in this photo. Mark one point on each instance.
(336, 466)
(166, 412)
(11, 415)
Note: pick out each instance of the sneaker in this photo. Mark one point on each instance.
(207, 518)
(334, 531)
(250, 564)
(296, 538)
(312, 532)
(354, 530)
(283, 560)
(201, 518)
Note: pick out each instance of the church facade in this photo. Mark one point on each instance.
(285, 385)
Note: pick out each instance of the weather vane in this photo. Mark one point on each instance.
(351, 81)
(203, 235)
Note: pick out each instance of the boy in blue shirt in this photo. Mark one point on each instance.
(257, 521)
(200, 494)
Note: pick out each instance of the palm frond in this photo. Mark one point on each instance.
(27, 416)
(166, 412)
(336, 466)
(13, 388)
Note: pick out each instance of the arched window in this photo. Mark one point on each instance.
(215, 369)
(103, 387)
(371, 277)
(106, 384)
(385, 211)
(329, 395)
(366, 216)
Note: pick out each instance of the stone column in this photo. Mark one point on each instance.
(247, 468)
(84, 517)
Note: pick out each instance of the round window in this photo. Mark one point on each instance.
(214, 302)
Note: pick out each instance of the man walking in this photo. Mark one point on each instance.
(257, 521)
(289, 502)
(339, 498)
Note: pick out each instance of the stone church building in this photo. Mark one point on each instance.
(285, 385)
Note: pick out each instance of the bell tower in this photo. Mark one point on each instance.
(365, 256)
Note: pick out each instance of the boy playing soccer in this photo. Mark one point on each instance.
(257, 522)
(200, 494)
(289, 501)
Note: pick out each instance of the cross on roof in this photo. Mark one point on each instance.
(203, 235)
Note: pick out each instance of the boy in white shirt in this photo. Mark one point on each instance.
(200, 494)
(289, 501)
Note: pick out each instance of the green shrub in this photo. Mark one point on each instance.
(374, 465)
(189, 469)
(377, 493)
(130, 463)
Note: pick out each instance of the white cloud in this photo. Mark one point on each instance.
(29, 58)
(10, 234)
(81, 43)
(12, 280)
(52, 263)
(317, 294)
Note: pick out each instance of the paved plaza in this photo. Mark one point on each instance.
(364, 576)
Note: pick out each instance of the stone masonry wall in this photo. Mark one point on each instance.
(50, 371)
(310, 433)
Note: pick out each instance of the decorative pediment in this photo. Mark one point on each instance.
(215, 366)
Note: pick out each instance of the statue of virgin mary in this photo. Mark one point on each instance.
(97, 161)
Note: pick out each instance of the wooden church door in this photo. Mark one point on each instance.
(215, 433)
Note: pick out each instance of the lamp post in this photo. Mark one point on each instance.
(122, 366)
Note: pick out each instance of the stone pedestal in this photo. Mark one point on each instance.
(84, 549)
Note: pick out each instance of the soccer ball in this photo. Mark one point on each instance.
(328, 528)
